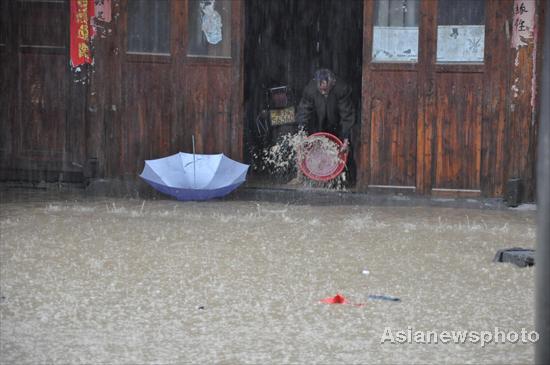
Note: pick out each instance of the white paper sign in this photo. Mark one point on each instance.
(395, 44)
(460, 43)
(524, 23)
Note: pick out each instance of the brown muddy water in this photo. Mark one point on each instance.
(116, 281)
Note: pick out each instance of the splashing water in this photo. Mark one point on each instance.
(289, 152)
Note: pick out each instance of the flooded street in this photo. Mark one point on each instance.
(120, 281)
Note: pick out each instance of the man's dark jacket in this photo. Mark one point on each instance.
(333, 113)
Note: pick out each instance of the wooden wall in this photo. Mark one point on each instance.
(447, 129)
(150, 106)
(42, 113)
(427, 128)
(522, 100)
(6, 86)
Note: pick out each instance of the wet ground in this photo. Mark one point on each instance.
(120, 281)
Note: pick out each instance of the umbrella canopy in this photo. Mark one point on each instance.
(194, 177)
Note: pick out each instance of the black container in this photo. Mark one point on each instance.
(514, 192)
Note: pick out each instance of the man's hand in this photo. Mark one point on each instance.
(345, 146)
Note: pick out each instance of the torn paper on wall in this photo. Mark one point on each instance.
(211, 22)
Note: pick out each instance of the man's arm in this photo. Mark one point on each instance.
(305, 111)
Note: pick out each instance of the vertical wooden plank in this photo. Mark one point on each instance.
(540, 58)
(114, 140)
(179, 31)
(195, 97)
(235, 134)
(426, 95)
(458, 131)
(496, 78)
(5, 95)
(219, 93)
(75, 119)
(522, 116)
(103, 87)
(377, 118)
(123, 126)
(393, 128)
(364, 156)
(8, 71)
(149, 107)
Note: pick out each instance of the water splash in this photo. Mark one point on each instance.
(285, 156)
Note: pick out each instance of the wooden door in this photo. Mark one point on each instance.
(454, 76)
(391, 79)
(176, 81)
(434, 95)
(42, 111)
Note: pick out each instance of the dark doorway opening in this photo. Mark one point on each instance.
(286, 41)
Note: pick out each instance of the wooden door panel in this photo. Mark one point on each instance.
(457, 142)
(393, 117)
(495, 93)
(196, 107)
(460, 108)
(169, 97)
(43, 23)
(7, 84)
(150, 107)
(43, 106)
(6, 92)
(219, 111)
(43, 80)
(42, 110)
(207, 107)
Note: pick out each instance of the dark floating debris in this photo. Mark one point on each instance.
(384, 297)
(521, 257)
(201, 307)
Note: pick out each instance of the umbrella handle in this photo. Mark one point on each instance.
(194, 175)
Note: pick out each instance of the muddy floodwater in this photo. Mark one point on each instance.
(115, 281)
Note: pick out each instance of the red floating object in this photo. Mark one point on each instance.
(317, 164)
(340, 299)
(337, 299)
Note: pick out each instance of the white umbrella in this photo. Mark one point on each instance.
(187, 176)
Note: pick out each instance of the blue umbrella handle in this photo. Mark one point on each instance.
(194, 175)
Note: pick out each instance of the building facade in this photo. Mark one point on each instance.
(446, 91)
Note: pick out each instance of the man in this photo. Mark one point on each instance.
(326, 106)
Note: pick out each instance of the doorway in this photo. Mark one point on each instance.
(285, 42)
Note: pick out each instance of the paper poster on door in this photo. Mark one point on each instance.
(460, 43)
(395, 44)
(211, 22)
(523, 23)
(103, 10)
